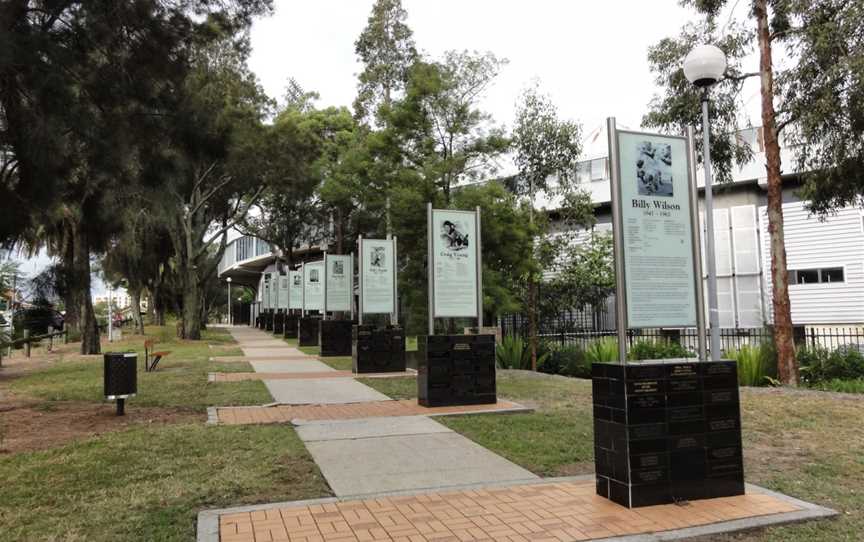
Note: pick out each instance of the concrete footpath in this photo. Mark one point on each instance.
(371, 455)
(410, 479)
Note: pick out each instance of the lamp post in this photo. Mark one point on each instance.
(229, 300)
(703, 67)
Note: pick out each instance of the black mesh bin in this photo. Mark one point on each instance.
(120, 377)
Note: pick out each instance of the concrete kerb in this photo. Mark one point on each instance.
(208, 520)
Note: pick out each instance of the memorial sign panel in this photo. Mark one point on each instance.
(655, 184)
(313, 294)
(295, 290)
(378, 276)
(340, 282)
(454, 259)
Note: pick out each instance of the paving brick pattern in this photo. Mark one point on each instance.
(554, 512)
(237, 377)
(349, 411)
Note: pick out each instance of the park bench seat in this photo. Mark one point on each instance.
(151, 357)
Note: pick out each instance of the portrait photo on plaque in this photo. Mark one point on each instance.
(654, 169)
(377, 257)
(454, 235)
(338, 268)
(313, 276)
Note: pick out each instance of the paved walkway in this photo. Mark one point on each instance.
(400, 476)
(550, 512)
(363, 441)
(238, 377)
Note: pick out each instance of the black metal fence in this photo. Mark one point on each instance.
(579, 328)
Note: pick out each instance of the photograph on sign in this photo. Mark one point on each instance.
(454, 235)
(339, 282)
(283, 291)
(313, 289)
(295, 290)
(379, 276)
(656, 230)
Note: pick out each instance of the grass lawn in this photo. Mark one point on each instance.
(805, 443)
(340, 363)
(310, 350)
(149, 483)
(179, 382)
(147, 475)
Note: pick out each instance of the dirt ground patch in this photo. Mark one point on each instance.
(31, 425)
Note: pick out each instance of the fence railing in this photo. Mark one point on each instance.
(563, 330)
(27, 341)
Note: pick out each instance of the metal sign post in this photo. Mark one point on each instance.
(394, 317)
(478, 244)
(303, 290)
(324, 287)
(430, 263)
(350, 280)
(618, 243)
(359, 281)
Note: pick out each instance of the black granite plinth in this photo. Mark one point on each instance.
(292, 321)
(667, 431)
(279, 323)
(268, 320)
(335, 337)
(378, 350)
(307, 332)
(456, 370)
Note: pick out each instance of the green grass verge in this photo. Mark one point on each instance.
(310, 350)
(340, 363)
(149, 483)
(291, 342)
(808, 445)
(841, 386)
(179, 382)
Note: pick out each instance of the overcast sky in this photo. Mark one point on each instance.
(590, 56)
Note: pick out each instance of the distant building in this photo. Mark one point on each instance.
(825, 257)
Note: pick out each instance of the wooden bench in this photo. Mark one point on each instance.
(151, 358)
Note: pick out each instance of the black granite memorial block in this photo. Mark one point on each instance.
(335, 337)
(378, 350)
(456, 370)
(307, 334)
(290, 328)
(667, 431)
(268, 320)
(279, 323)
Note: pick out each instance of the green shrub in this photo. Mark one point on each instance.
(658, 349)
(567, 360)
(819, 364)
(843, 386)
(754, 364)
(514, 353)
(603, 350)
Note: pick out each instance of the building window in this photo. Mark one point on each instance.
(816, 276)
(598, 169)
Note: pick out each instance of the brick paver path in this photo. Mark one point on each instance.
(553, 512)
(348, 411)
(237, 377)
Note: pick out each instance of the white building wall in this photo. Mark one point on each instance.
(838, 241)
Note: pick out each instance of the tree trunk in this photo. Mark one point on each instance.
(137, 321)
(71, 320)
(532, 321)
(87, 323)
(191, 323)
(787, 367)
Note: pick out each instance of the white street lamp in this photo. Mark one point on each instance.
(703, 67)
(229, 301)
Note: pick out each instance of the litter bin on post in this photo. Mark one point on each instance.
(120, 377)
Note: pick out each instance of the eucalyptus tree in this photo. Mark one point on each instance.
(386, 50)
(218, 169)
(545, 150)
(679, 106)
